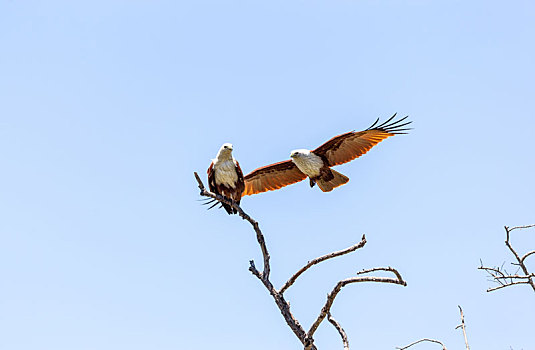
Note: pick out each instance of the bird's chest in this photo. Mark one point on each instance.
(225, 173)
(309, 165)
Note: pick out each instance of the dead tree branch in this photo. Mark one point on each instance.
(332, 295)
(463, 326)
(423, 340)
(340, 330)
(284, 306)
(501, 276)
(320, 259)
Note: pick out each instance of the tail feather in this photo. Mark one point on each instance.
(337, 180)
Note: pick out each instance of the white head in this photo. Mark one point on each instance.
(298, 153)
(225, 152)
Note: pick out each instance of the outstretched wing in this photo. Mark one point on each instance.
(346, 147)
(272, 177)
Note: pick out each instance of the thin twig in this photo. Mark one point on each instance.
(422, 340)
(463, 326)
(520, 227)
(332, 295)
(320, 259)
(506, 285)
(516, 276)
(340, 330)
(526, 255)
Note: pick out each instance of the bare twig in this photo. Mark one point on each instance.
(422, 340)
(340, 330)
(320, 259)
(332, 295)
(503, 278)
(506, 285)
(519, 227)
(517, 276)
(526, 255)
(463, 326)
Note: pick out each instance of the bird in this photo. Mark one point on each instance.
(225, 178)
(317, 164)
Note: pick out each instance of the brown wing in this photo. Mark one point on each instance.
(211, 178)
(272, 177)
(240, 184)
(346, 147)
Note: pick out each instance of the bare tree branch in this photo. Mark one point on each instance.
(282, 304)
(340, 330)
(517, 276)
(505, 279)
(423, 340)
(506, 285)
(332, 295)
(519, 227)
(526, 255)
(320, 259)
(463, 326)
(518, 258)
(306, 338)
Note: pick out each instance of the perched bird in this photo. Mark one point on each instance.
(225, 177)
(316, 164)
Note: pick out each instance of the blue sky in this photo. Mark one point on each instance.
(107, 108)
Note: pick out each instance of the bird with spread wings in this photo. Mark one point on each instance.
(316, 164)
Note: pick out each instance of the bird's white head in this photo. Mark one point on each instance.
(297, 153)
(225, 152)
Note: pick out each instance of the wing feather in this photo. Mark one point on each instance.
(346, 147)
(272, 177)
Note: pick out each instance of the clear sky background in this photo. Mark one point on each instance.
(107, 108)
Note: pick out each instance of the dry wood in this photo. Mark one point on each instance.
(340, 330)
(422, 340)
(332, 295)
(320, 259)
(501, 276)
(463, 326)
(284, 306)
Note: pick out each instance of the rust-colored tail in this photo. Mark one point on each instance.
(337, 180)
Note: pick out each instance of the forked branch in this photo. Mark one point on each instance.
(332, 295)
(506, 279)
(463, 326)
(284, 306)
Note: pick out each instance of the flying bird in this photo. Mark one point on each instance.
(316, 164)
(226, 178)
